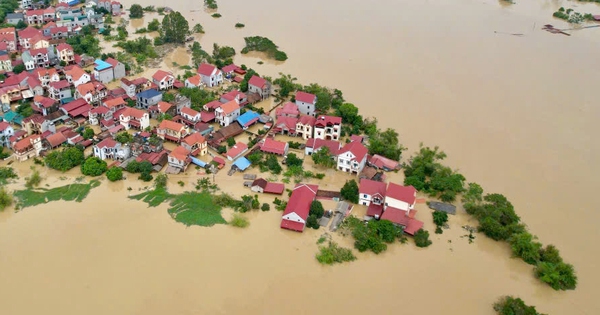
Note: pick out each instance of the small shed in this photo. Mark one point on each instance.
(242, 163)
(444, 207)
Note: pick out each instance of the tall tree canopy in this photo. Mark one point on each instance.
(175, 28)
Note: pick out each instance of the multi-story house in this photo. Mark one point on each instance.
(5, 63)
(93, 92)
(27, 4)
(163, 79)
(61, 32)
(227, 113)
(35, 85)
(259, 86)
(25, 35)
(111, 149)
(118, 68)
(15, 18)
(47, 28)
(328, 127)
(40, 57)
(304, 127)
(352, 158)
(103, 71)
(161, 109)
(6, 131)
(27, 147)
(307, 103)
(77, 76)
(46, 76)
(28, 61)
(288, 109)
(313, 145)
(135, 86)
(179, 158)
(170, 130)
(34, 17)
(39, 41)
(115, 8)
(370, 191)
(134, 118)
(44, 105)
(236, 95)
(189, 116)
(113, 105)
(400, 197)
(147, 98)
(210, 75)
(193, 81)
(49, 15)
(105, 4)
(196, 144)
(65, 53)
(60, 90)
(38, 124)
(8, 36)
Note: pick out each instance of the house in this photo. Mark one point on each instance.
(135, 86)
(196, 144)
(45, 76)
(40, 57)
(161, 109)
(106, 112)
(236, 95)
(285, 125)
(26, 4)
(28, 61)
(229, 70)
(78, 107)
(8, 36)
(111, 149)
(44, 105)
(328, 127)
(59, 90)
(236, 151)
(248, 119)
(193, 81)
(14, 18)
(352, 158)
(104, 4)
(383, 163)
(34, 17)
(262, 186)
(181, 102)
(134, 118)
(288, 109)
(305, 127)
(103, 71)
(312, 145)
(65, 53)
(400, 197)
(34, 85)
(170, 130)
(307, 103)
(25, 36)
(211, 106)
(38, 124)
(28, 147)
(49, 15)
(93, 92)
(270, 145)
(6, 131)
(76, 76)
(163, 79)
(179, 158)
(98, 114)
(115, 8)
(11, 93)
(147, 98)
(38, 42)
(61, 32)
(372, 194)
(298, 206)
(5, 63)
(189, 116)
(210, 75)
(118, 68)
(227, 113)
(259, 86)
(54, 140)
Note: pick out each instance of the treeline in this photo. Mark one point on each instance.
(263, 44)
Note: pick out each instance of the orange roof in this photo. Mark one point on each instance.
(75, 72)
(24, 143)
(171, 125)
(230, 107)
(163, 107)
(114, 102)
(133, 112)
(56, 139)
(180, 153)
(195, 80)
(161, 75)
(85, 88)
(188, 111)
(194, 138)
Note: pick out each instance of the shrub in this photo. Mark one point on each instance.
(265, 207)
(239, 25)
(7, 173)
(34, 180)
(6, 199)
(114, 174)
(239, 221)
(422, 238)
(216, 15)
(524, 246)
(350, 191)
(93, 166)
(65, 159)
(316, 209)
(331, 254)
(145, 176)
(560, 276)
(312, 222)
(508, 305)
(161, 180)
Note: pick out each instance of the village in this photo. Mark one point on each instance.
(136, 119)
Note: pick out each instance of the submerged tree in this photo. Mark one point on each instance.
(175, 28)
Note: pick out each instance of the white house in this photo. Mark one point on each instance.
(352, 158)
(210, 75)
(305, 126)
(307, 103)
(328, 127)
(163, 79)
(111, 149)
(179, 158)
(371, 191)
(6, 131)
(77, 76)
(193, 81)
(259, 86)
(134, 118)
(400, 197)
(227, 113)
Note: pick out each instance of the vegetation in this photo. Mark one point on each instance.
(211, 4)
(154, 25)
(161, 180)
(34, 180)
(114, 174)
(326, 98)
(439, 218)
(427, 174)
(124, 137)
(286, 84)
(263, 44)
(571, 16)
(422, 238)
(141, 48)
(293, 160)
(85, 44)
(24, 110)
(386, 144)
(175, 28)
(6, 199)
(323, 157)
(4, 154)
(87, 133)
(74, 192)
(312, 222)
(222, 55)
(239, 221)
(136, 11)
(239, 25)
(316, 209)
(265, 207)
(350, 191)
(352, 121)
(93, 166)
(198, 97)
(65, 159)
(198, 28)
(373, 235)
(8, 6)
(7, 173)
(332, 253)
(230, 142)
(216, 15)
(19, 68)
(508, 305)
(280, 205)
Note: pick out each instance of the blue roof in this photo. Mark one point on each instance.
(248, 118)
(74, 2)
(242, 163)
(148, 93)
(101, 65)
(198, 162)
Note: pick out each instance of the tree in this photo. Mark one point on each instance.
(273, 165)
(350, 191)
(473, 195)
(65, 159)
(198, 28)
(145, 176)
(6, 199)
(323, 96)
(24, 110)
(560, 276)
(386, 230)
(211, 4)
(124, 137)
(230, 142)
(114, 174)
(550, 254)
(508, 305)
(265, 207)
(312, 222)
(286, 84)
(323, 157)
(19, 68)
(440, 218)
(136, 11)
(422, 238)
(154, 25)
(21, 25)
(93, 166)
(316, 209)
(87, 133)
(293, 160)
(524, 246)
(168, 97)
(175, 28)
(386, 144)
(161, 180)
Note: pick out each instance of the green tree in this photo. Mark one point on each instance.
(198, 28)
(386, 230)
(154, 25)
(124, 137)
(524, 246)
(6, 199)
(230, 142)
(21, 25)
(312, 222)
(386, 144)
(323, 157)
(440, 218)
(508, 305)
(293, 160)
(422, 238)
(265, 207)
(87, 133)
(19, 68)
(93, 166)
(350, 191)
(24, 110)
(323, 96)
(114, 174)
(550, 254)
(136, 11)
(273, 165)
(211, 4)
(560, 276)
(161, 180)
(473, 195)
(34, 180)
(145, 176)
(286, 84)
(316, 209)
(175, 28)
(65, 159)
(168, 97)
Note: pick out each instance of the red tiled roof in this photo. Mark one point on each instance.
(75, 72)
(83, 111)
(117, 101)
(219, 160)
(402, 193)
(24, 143)
(99, 110)
(413, 226)
(39, 51)
(257, 81)
(371, 187)
(194, 80)
(74, 104)
(4, 125)
(356, 148)
(46, 102)
(107, 123)
(212, 105)
(194, 138)
(236, 150)
(274, 188)
(112, 62)
(229, 68)
(292, 225)
(332, 145)
(188, 111)
(116, 129)
(356, 138)
(306, 97)
(288, 109)
(238, 79)
(299, 203)
(395, 215)
(323, 121)
(206, 69)
(273, 146)
(63, 46)
(163, 107)
(229, 107)
(161, 75)
(307, 120)
(231, 95)
(288, 122)
(61, 29)
(180, 153)
(374, 210)
(171, 125)
(383, 162)
(207, 116)
(62, 84)
(56, 139)
(29, 32)
(133, 112)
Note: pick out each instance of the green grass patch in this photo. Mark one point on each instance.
(153, 197)
(73, 192)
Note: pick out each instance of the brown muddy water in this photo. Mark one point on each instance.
(515, 114)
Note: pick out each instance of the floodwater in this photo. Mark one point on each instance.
(515, 114)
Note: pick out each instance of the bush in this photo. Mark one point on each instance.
(6, 199)
(560, 276)
(239, 25)
(124, 137)
(316, 209)
(239, 221)
(265, 207)
(65, 159)
(161, 180)
(331, 254)
(145, 176)
(114, 174)
(312, 222)
(350, 191)
(7, 173)
(34, 180)
(508, 305)
(93, 166)
(523, 246)
(422, 238)
(216, 15)
(136, 11)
